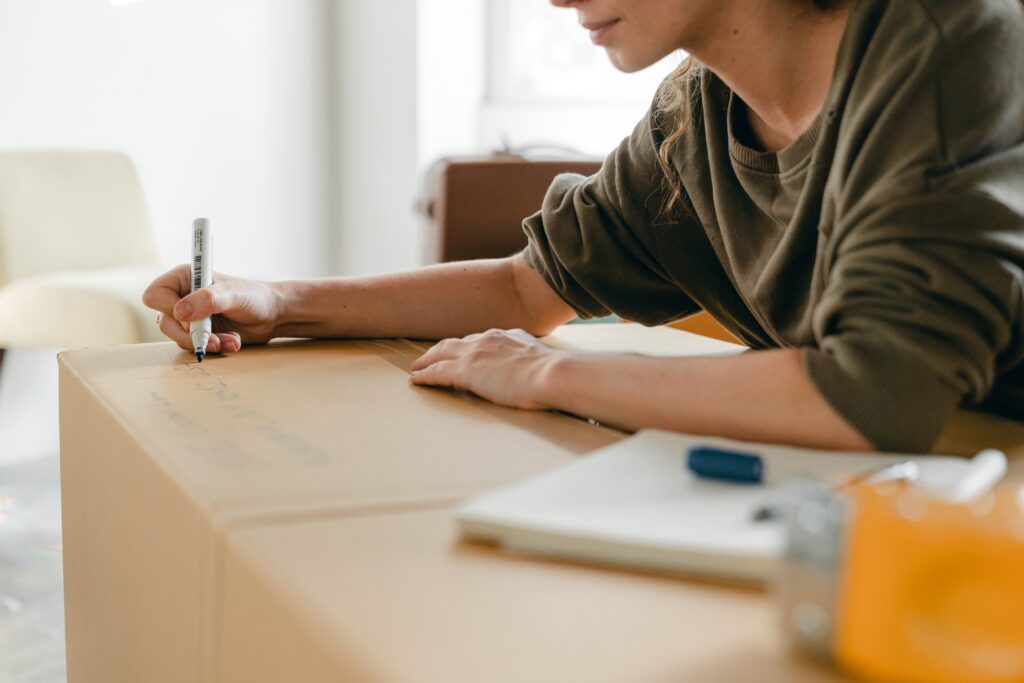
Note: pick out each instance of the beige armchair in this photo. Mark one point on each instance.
(76, 250)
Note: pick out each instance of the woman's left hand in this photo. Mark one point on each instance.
(503, 366)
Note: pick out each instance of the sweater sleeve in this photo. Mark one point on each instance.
(922, 307)
(593, 239)
(922, 312)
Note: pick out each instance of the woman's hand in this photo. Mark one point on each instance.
(243, 311)
(506, 367)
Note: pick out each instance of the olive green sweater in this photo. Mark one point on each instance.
(887, 242)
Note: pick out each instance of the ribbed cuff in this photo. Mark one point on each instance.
(536, 261)
(895, 401)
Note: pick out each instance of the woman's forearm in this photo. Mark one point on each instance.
(447, 300)
(756, 396)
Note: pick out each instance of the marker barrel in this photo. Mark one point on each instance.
(202, 276)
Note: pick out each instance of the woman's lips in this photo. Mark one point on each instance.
(599, 29)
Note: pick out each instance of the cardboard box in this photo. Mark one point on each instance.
(280, 514)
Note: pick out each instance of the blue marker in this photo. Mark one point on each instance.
(716, 463)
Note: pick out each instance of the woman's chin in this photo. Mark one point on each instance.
(629, 63)
(623, 63)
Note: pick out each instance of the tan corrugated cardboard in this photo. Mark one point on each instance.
(161, 455)
(280, 515)
(396, 597)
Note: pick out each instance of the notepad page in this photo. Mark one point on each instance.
(638, 494)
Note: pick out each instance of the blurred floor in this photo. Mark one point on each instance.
(31, 586)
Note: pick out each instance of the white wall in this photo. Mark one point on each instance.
(298, 126)
(376, 181)
(451, 65)
(223, 104)
(520, 73)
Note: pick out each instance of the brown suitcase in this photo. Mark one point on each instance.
(474, 206)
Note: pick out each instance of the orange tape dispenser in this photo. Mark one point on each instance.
(894, 582)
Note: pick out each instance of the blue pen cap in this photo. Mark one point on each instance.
(717, 463)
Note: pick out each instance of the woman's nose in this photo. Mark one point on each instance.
(565, 3)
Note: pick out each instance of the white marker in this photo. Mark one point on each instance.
(984, 471)
(201, 277)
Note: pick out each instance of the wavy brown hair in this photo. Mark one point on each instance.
(675, 106)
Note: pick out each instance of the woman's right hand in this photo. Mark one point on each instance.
(243, 311)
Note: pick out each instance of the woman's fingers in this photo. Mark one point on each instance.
(228, 301)
(170, 293)
(165, 291)
(173, 329)
(219, 342)
(228, 341)
(205, 303)
(447, 349)
(442, 350)
(499, 366)
(440, 373)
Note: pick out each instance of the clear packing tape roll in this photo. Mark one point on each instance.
(893, 583)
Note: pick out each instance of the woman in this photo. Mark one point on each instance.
(841, 183)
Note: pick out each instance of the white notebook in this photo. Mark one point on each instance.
(635, 504)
